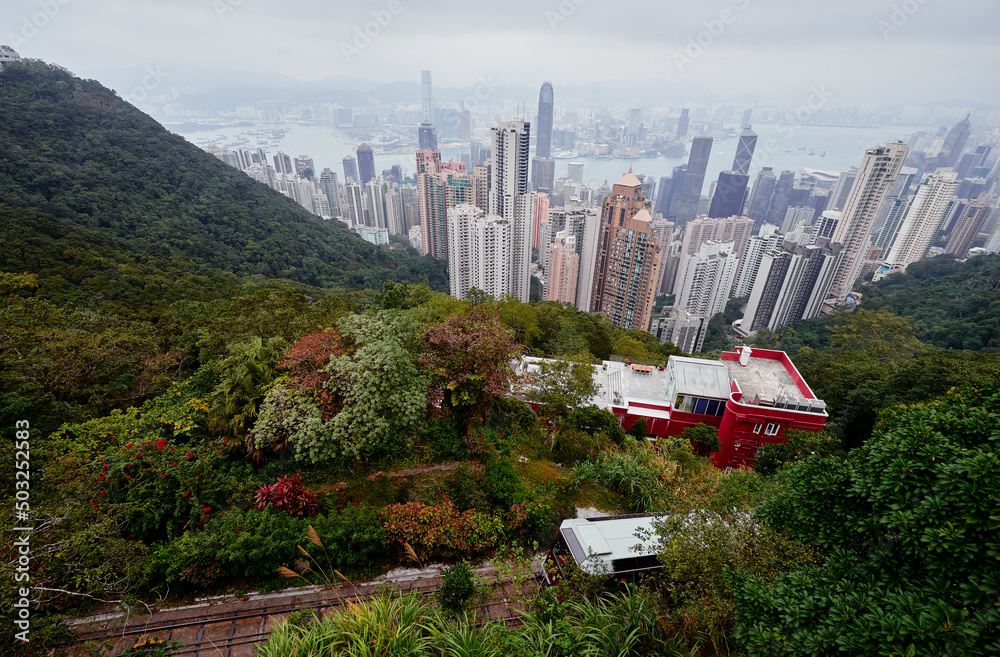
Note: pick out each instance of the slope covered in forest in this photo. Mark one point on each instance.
(73, 149)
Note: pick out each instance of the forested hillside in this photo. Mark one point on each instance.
(72, 149)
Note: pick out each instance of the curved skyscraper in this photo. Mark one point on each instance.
(543, 167)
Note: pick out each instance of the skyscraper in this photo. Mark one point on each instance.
(543, 125)
(954, 143)
(730, 193)
(704, 281)
(440, 185)
(790, 285)
(760, 199)
(744, 151)
(627, 258)
(366, 164)
(350, 169)
(511, 200)
(682, 124)
(428, 96)
(427, 137)
(694, 180)
(923, 218)
(877, 172)
(304, 167)
(968, 226)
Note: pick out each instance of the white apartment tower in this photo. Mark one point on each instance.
(876, 175)
(510, 200)
(479, 248)
(923, 219)
(767, 240)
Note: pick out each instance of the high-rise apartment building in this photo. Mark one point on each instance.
(877, 173)
(479, 252)
(427, 96)
(350, 169)
(563, 270)
(923, 219)
(627, 257)
(767, 240)
(305, 167)
(440, 185)
(968, 226)
(731, 229)
(331, 189)
(511, 200)
(790, 285)
(357, 205)
(283, 164)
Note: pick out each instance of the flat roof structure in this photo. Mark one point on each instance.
(701, 378)
(595, 541)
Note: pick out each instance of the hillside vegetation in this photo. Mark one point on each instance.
(74, 150)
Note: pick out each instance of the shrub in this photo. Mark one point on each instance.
(441, 531)
(465, 491)
(501, 483)
(355, 538)
(249, 544)
(458, 588)
(165, 488)
(288, 494)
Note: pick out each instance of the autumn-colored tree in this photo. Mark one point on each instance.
(306, 361)
(469, 358)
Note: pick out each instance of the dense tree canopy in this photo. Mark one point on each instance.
(909, 529)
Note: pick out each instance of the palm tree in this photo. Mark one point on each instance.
(245, 376)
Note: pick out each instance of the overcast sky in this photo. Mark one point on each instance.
(914, 51)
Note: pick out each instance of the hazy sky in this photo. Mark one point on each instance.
(906, 50)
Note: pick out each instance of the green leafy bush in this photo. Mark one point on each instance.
(441, 531)
(167, 488)
(458, 588)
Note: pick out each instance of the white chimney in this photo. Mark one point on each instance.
(745, 356)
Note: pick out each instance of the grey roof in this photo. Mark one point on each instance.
(701, 378)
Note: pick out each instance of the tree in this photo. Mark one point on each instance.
(705, 436)
(468, 357)
(561, 386)
(245, 377)
(879, 334)
(638, 428)
(909, 527)
(383, 391)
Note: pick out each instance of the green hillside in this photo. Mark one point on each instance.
(72, 149)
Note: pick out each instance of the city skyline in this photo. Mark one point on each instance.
(850, 49)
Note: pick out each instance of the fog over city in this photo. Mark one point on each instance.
(881, 51)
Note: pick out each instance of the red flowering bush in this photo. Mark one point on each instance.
(165, 488)
(290, 495)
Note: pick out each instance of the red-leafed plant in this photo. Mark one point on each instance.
(306, 361)
(290, 495)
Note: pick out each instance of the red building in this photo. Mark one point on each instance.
(752, 395)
